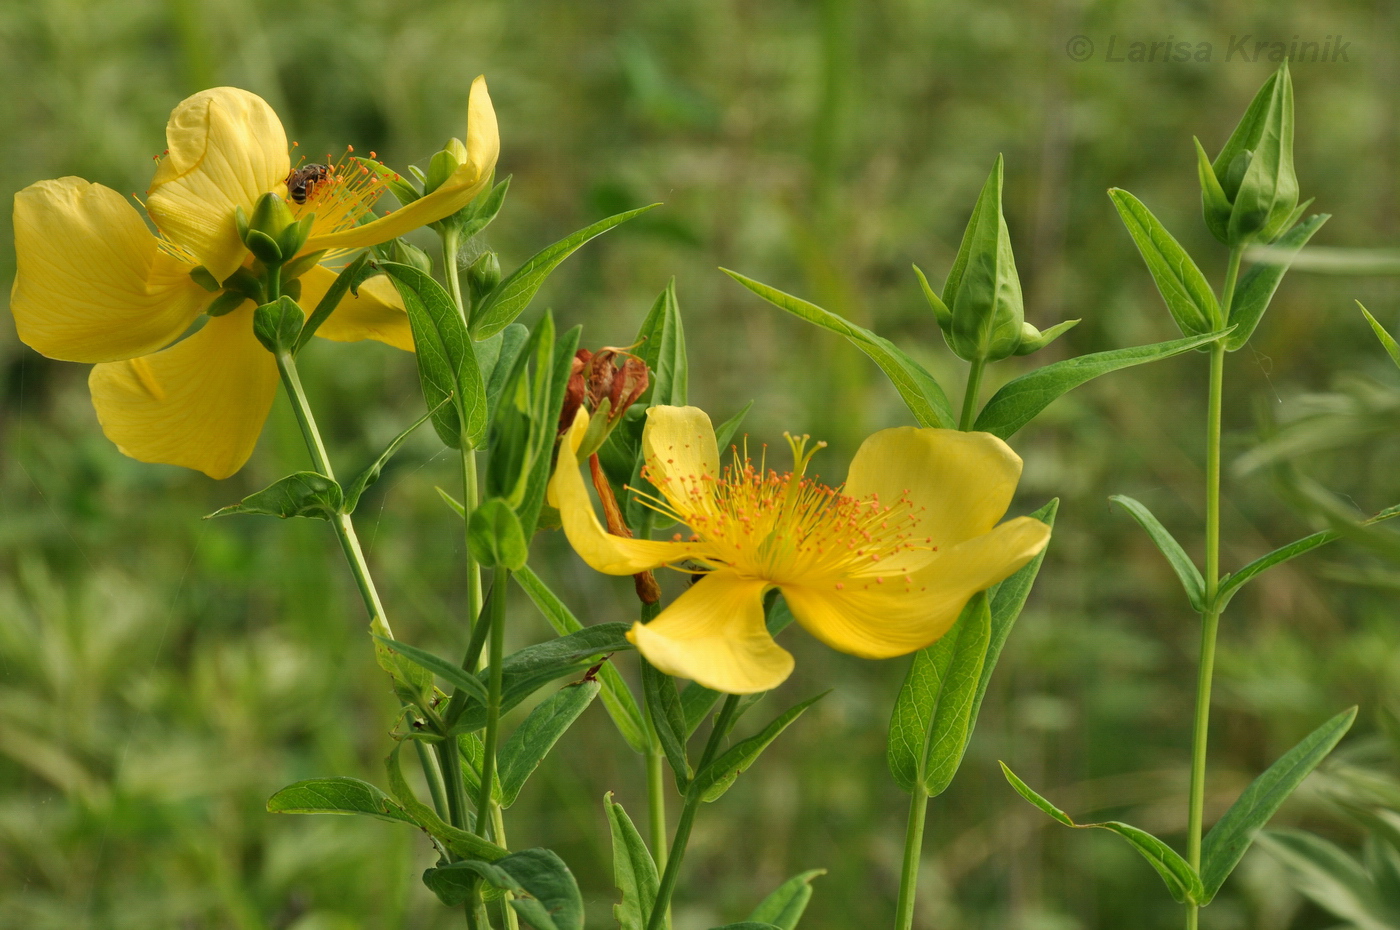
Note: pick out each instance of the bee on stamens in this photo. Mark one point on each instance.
(301, 183)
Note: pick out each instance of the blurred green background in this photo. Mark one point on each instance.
(161, 675)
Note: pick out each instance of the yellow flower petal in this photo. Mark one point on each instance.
(91, 283)
(483, 145)
(679, 444)
(713, 634)
(200, 403)
(958, 484)
(878, 620)
(377, 313)
(227, 149)
(604, 552)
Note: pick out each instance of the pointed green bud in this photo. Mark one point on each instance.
(227, 302)
(983, 292)
(1234, 174)
(202, 276)
(935, 303)
(270, 216)
(483, 275)
(441, 167)
(406, 253)
(1033, 340)
(278, 324)
(1254, 170)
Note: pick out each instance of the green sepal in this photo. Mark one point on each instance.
(240, 221)
(278, 324)
(983, 291)
(205, 279)
(919, 389)
(1186, 571)
(530, 742)
(1033, 340)
(1256, 289)
(337, 795)
(941, 313)
(225, 303)
(1268, 192)
(293, 237)
(447, 364)
(543, 890)
(1232, 835)
(508, 300)
(454, 839)
(1215, 206)
(1188, 296)
(1018, 401)
(440, 168)
(292, 289)
(617, 698)
(715, 779)
(303, 494)
(634, 870)
(478, 214)
(371, 474)
(263, 247)
(495, 537)
(1181, 880)
(783, 908)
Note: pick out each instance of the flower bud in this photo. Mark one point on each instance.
(483, 275)
(442, 166)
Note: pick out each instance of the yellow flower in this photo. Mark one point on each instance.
(93, 284)
(879, 567)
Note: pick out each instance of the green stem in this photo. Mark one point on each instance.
(272, 282)
(974, 382)
(450, 758)
(656, 804)
(434, 776)
(722, 723)
(913, 850)
(450, 244)
(469, 500)
(496, 617)
(498, 823)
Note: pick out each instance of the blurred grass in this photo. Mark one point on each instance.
(160, 675)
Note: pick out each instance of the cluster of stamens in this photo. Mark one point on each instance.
(787, 527)
(343, 195)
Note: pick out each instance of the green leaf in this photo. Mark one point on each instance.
(783, 908)
(1230, 584)
(525, 672)
(337, 795)
(513, 340)
(510, 298)
(348, 280)
(724, 433)
(634, 871)
(1387, 341)
(616, 696)
(544, 891)
(1331, 878)
(304, 494)
(447, 365)
(715, 779)
(1268, 192)
(661, 341)
(1228, 840)
(495, 537)
(1181, 563)
(444, 669)
(748, 925)
(278, 324)
(1215, 206)
(1021, 399)
(1181, 880)
(370, 475)
(668, 719)
(983, 290)
(454, 839)
(537, 734)
(1257, 287)
(929, 727)
(478, 214)
(1189, 298)
(1247, 131)
(921, 393)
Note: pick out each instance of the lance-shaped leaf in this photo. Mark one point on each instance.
(616, 696)
(447, 366)
(513, 339)
(525, 672)
(1181, 563)
(920, 392)
(370, 475)
(495, 537)
(454, 839)
(783, 908)
(929, 727)
(1257, 287)
(1181, 880)
(1021, 399)
(1231, 584)
(668, 719)
(1333, 879)
(304, 494)
(441, 667)
(715, 779)
(634, 871)
(1392, 348)
(537, 734)
(661, 345)
(348, 281)
(337, 795)
(1189, 298)
(1229, 839)
(508, 300)
(544, 891)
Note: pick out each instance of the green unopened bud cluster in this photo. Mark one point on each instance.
(1250, 191)
(274, 236)
(981, 311)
